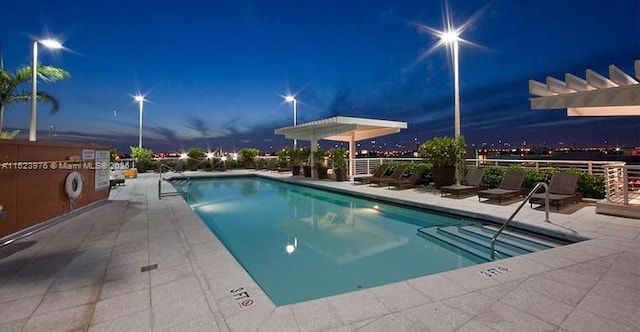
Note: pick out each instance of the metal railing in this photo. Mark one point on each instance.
(622, 183)
(546, 211)
(365, 166)
(182, 193)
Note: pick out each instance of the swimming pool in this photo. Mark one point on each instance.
(300, 243)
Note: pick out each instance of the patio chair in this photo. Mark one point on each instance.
(470, 185)
(397, 174)
(382, 169)
(562, 190)
(509, 187)
(410, 182)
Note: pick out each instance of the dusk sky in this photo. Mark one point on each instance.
(214, 72)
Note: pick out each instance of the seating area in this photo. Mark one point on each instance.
(397, 174)
(562, 191)
(470, 185)
(411, 182)
(379, 172)
(510, 186)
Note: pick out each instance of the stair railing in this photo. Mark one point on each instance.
(174, 193)
(546, 210)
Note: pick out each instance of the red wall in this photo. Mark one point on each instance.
(31, 196)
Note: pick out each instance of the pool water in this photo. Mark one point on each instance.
(300, 243)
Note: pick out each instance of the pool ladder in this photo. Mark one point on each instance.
(546, 211)
(182, 193)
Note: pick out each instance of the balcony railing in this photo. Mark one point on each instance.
(622, 184)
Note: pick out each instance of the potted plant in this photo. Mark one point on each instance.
(248, 157)
(142, 158)
(445, 154)
(295, 159)
(339, 163)
(318, 163)
(196, 155)
(305, 155)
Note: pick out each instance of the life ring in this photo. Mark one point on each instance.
(73, 185)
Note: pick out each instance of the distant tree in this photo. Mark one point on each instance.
(11, 83)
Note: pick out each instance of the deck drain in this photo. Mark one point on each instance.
(148, 267)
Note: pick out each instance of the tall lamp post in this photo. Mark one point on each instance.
(140, 99)
(292, 99)
(50, 43)
(451, 37)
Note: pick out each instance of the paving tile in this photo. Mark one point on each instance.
(435, 317)
(612, 309)
(630, 296)
(554, 290)
(164, 274)
(436, 287)
(20, 288)
(18, 309)
(315, 315)
(125, 285)
(621, 278)
(475, 326)
(399, 296)
(281, 319)
(356, 306)
(139, 321)
(543, 307)
(181, 289)
(173, 314)
(506, 318)
(15, 325)
(582, 321)
(472, 278)
(205, 323)
(140, 258)
(628, 262)
(76, 318)
(69, 298)
(389, 322)
(471, 303)
(121, 305)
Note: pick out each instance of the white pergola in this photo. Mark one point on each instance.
(596, 95)
(343, 129)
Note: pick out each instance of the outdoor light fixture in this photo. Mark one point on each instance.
(50, 43)
(140, 99)
(292, 99)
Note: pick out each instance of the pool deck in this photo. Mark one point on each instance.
(85, 274)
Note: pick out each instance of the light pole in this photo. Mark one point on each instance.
(293, 100)
(451, 37)
(140, 99)
(50, 43)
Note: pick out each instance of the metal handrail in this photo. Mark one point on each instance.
(546, 210)
(160, 194)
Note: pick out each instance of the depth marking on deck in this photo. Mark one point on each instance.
(242, 297)
(494, 271)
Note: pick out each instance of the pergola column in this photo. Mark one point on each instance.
(352, 155)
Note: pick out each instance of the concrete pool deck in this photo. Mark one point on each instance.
(85, 274)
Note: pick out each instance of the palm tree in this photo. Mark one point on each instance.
(9, 84)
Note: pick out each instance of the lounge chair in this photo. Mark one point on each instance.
(382, 169)
(410, 182)
(470, 185)
(562, 190)
(509, 187)
(396, 175)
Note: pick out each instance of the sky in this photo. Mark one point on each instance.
(214, 73)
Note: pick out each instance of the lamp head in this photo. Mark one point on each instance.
(290, 98)
(139, 98)
(449, 37)
(51, 43)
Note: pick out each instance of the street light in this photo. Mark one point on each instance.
(50, 43)
(292, 99)
(451, 37)
(140, 99)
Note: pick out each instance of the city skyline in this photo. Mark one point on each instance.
(214, 74)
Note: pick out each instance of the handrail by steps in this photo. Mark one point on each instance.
(546, 210)
(175, 193)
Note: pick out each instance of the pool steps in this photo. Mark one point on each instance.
(476, 240)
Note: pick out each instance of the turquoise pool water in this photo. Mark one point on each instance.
(300, 243)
